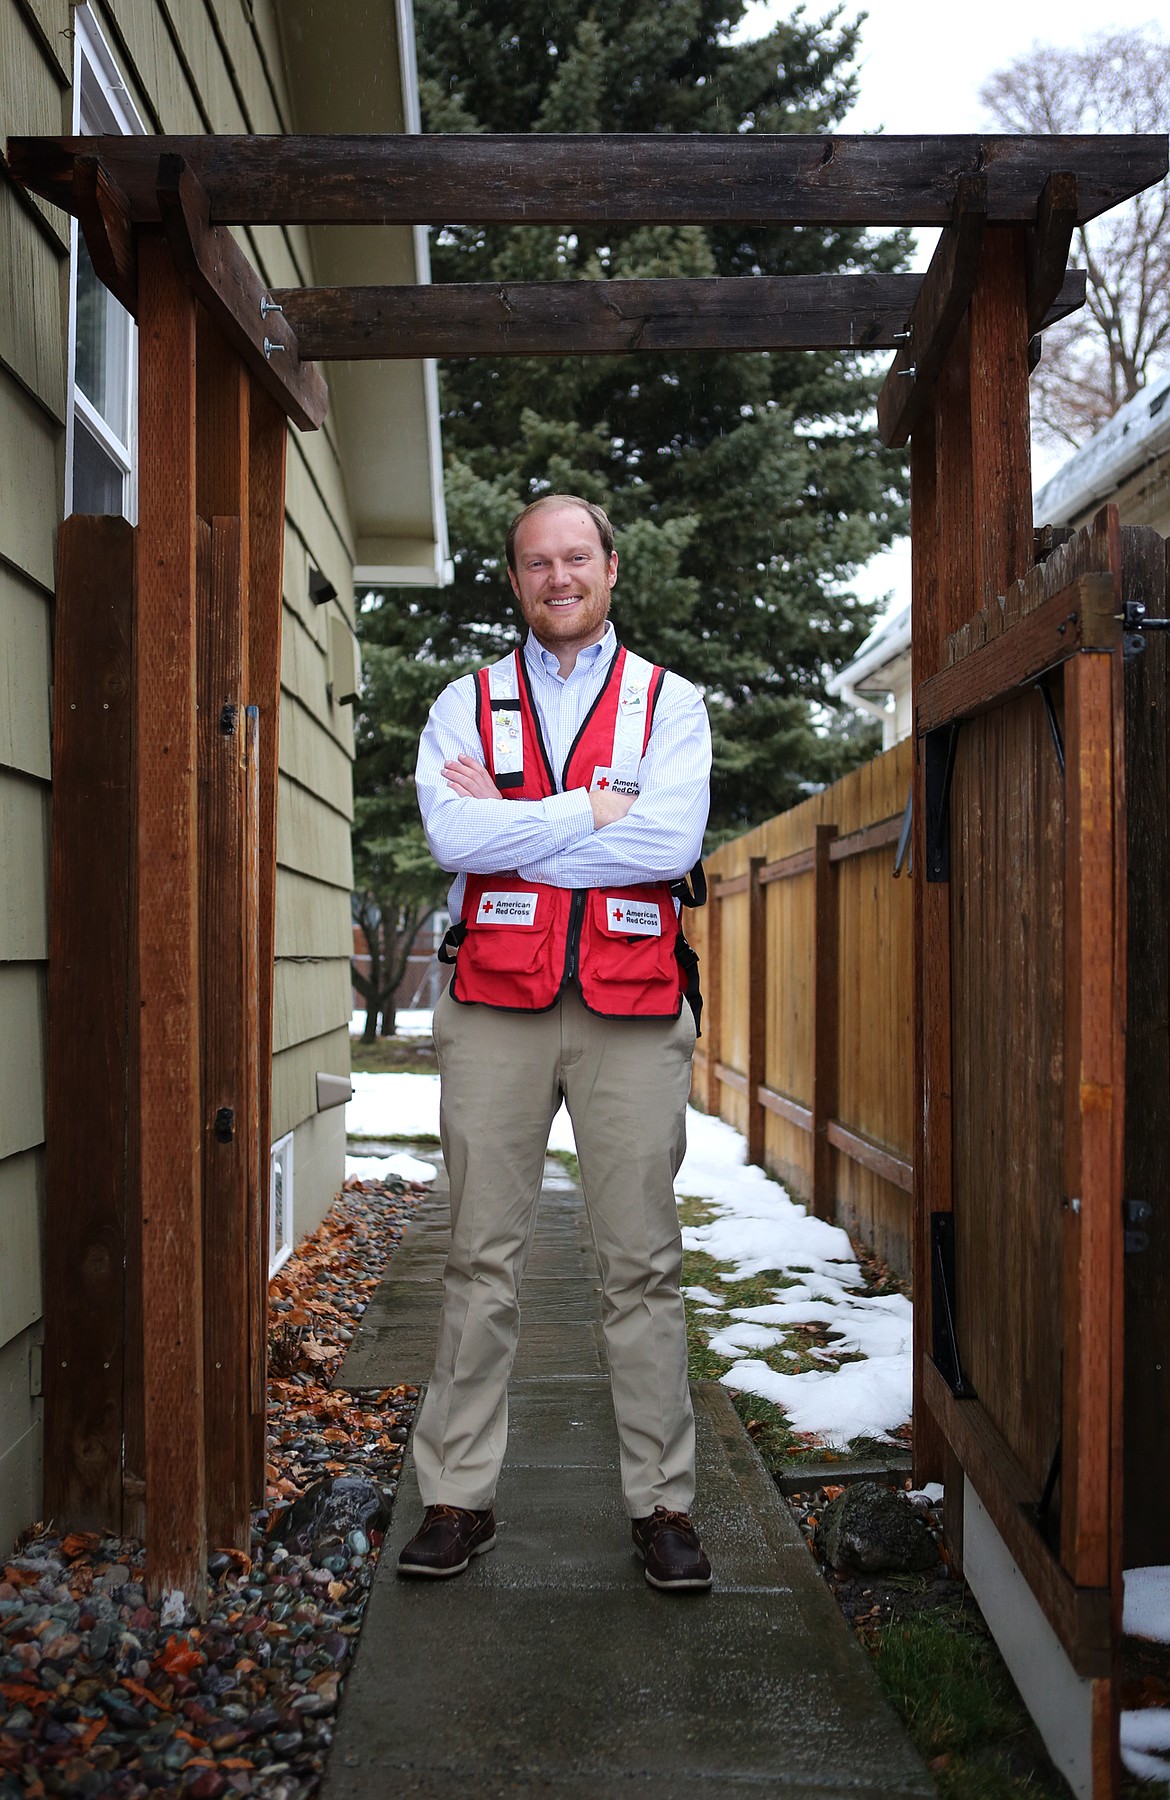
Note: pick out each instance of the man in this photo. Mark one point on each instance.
(568, 786)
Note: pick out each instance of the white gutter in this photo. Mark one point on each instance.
(891, 639)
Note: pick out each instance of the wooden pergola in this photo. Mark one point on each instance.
(155, 1348)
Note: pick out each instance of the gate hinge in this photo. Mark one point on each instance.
(1135, 1213)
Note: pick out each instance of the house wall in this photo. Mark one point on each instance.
(190, 66)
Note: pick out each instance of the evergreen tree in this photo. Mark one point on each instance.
(746, 489)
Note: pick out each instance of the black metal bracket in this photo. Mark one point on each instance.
(1053, 721)
(944, 1339)
(939, 770)
(904, 855)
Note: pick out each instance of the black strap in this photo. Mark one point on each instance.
(691, 890)
(449, 948)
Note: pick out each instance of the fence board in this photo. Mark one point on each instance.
(1007, 921)
(864, 1085)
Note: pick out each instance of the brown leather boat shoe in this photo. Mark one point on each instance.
(670, 1549)
(446, 1541)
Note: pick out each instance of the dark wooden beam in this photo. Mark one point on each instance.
(1079, 617)
(1049, 242)
(601, 318)
(221, 277)
(942, 300)
(799, 179)
(609, 318)
(103, 213)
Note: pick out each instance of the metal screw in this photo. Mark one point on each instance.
(901, 337)
(269, 347)
(909, 373)
(268, 305)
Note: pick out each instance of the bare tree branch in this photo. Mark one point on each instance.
(1098, 359)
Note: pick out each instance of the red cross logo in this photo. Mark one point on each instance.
(487, 906)
(617, 913)
(604, 782)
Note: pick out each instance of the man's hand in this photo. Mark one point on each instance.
(470, 779)
(608, 807)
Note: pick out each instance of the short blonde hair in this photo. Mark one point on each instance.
(597, 513)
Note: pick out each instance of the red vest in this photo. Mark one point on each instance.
(525, 941)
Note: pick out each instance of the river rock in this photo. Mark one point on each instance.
(330, 1509)
(871, 1527)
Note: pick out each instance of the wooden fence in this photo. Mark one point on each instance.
(806, 949)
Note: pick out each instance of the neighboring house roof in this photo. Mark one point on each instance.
(336, 55)
(1135, 443)
(881, 665)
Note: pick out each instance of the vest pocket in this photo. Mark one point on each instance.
(631, 971)
(508, 949)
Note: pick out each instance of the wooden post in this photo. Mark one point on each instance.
(1001, 457)
(228, 1128)
(757, 1008)
(1094, 1113)
(269, 434)
(165, 906)
(86, 1090)
(930, 1154)
(713, 1009)
(825, 1020)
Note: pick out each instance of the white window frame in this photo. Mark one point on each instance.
(96, 72)
(281, 1157)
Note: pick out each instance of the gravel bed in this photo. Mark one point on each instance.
(104, 1694)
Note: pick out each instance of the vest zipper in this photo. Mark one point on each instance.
(576, 915)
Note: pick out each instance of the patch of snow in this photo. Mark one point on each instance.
(380, 1168)
(1147, 1604)
(393, 1106)
(1143, 1734)
(407, 1106)
(738, 1338)
(704, 1296)
(757, 1226)
(860, 1399)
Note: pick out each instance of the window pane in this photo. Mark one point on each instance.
(102, 368)
(98, 482)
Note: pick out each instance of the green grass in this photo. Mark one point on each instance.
(941, 1670)
(355, 1140)
(568, 1162)
(392, 1056)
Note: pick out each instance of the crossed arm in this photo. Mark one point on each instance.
(471, 779)
(575, 839)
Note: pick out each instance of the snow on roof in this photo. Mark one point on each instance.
(889, 639)
(1132, 438)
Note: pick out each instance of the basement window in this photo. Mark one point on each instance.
(103, 338)
(280, 1203)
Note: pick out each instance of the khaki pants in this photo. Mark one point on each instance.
(626, 1084)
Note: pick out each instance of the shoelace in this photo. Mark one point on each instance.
(673, 1521)
(454, 1513)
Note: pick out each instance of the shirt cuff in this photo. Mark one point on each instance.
(569, 817)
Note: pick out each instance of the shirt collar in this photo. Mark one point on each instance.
(539, 658)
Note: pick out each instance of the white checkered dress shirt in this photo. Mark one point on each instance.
(554, 840)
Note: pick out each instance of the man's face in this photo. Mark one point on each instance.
(563, 578)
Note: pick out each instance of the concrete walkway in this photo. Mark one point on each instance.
(551, 1667)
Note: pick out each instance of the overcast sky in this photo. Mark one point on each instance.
(921, 67)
